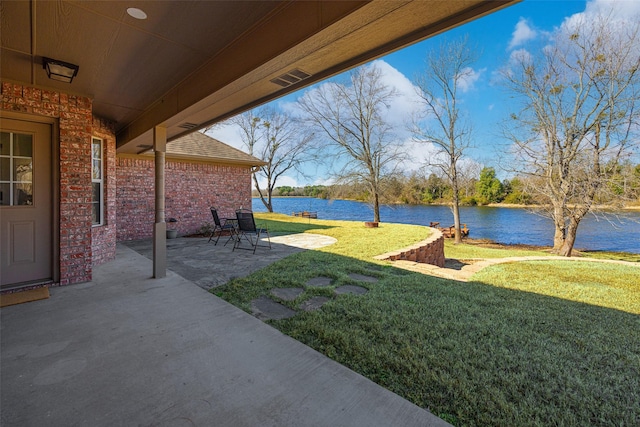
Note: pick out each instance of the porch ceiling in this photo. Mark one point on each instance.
(192, 63)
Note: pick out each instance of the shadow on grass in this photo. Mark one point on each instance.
(620, 256)
(471, 353)
(455, 264)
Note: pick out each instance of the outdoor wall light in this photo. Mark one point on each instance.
(59, 70)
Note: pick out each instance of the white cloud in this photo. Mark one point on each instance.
(433, 156)
(619, 11)
(283, 181)
(229, 134)
(401, 108)
(407, 100)
(323, 180)
(516, 57)
(520, 56)
(416, 155)
(429, 153)
(468, 77)
(522, 34)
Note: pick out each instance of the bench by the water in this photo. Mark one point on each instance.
(450, 232)
(306, 214)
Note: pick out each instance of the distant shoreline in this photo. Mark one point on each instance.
(490, 205)
(598, 207)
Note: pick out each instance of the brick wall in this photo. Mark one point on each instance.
(429, 251)
(75, 124)
(190, 189)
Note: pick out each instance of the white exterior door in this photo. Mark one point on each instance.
(26, 233)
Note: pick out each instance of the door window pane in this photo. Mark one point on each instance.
(22, 195)
(5, 169)
(5, 197)
(5, 143)
(16, 169)
(22, 145)
(22, 170)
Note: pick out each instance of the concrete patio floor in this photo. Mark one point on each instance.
(126, 349)
(208, 265)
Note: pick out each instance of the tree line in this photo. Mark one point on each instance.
(416, 188)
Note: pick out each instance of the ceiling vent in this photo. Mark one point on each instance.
(187, 125)
(292, 77)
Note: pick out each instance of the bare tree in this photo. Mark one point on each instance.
(579, 118)
(211, 127)
(277, 139)
(468, 174)
(442, 123)
(352, 118)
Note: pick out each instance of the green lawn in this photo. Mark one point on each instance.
(540, 343)
(620, 256)
(607, 285)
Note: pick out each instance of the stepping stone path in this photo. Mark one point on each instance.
(287, 294)
(313, 303)
(265, 308)
(363, 278)
(319, 282)
(351, 289)
(354, 289)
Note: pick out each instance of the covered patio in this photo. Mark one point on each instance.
(116, 346)
(126, 349)
(127, 77)
(209, 266)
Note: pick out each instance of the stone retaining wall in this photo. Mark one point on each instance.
(429, 251)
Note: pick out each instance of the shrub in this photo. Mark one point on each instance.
(206, 229)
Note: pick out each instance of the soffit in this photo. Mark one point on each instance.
(199, 62)
(125, 64)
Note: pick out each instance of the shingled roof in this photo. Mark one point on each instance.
(198, 146)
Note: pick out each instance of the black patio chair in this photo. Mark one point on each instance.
(220, 227)
(247, 229)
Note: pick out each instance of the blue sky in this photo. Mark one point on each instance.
(496, 36)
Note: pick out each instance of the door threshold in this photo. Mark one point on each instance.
(25, 286)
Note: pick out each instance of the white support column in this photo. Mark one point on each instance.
(160, 226)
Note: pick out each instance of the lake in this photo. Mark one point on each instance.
(504, 225)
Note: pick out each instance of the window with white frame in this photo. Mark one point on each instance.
(97, 182)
